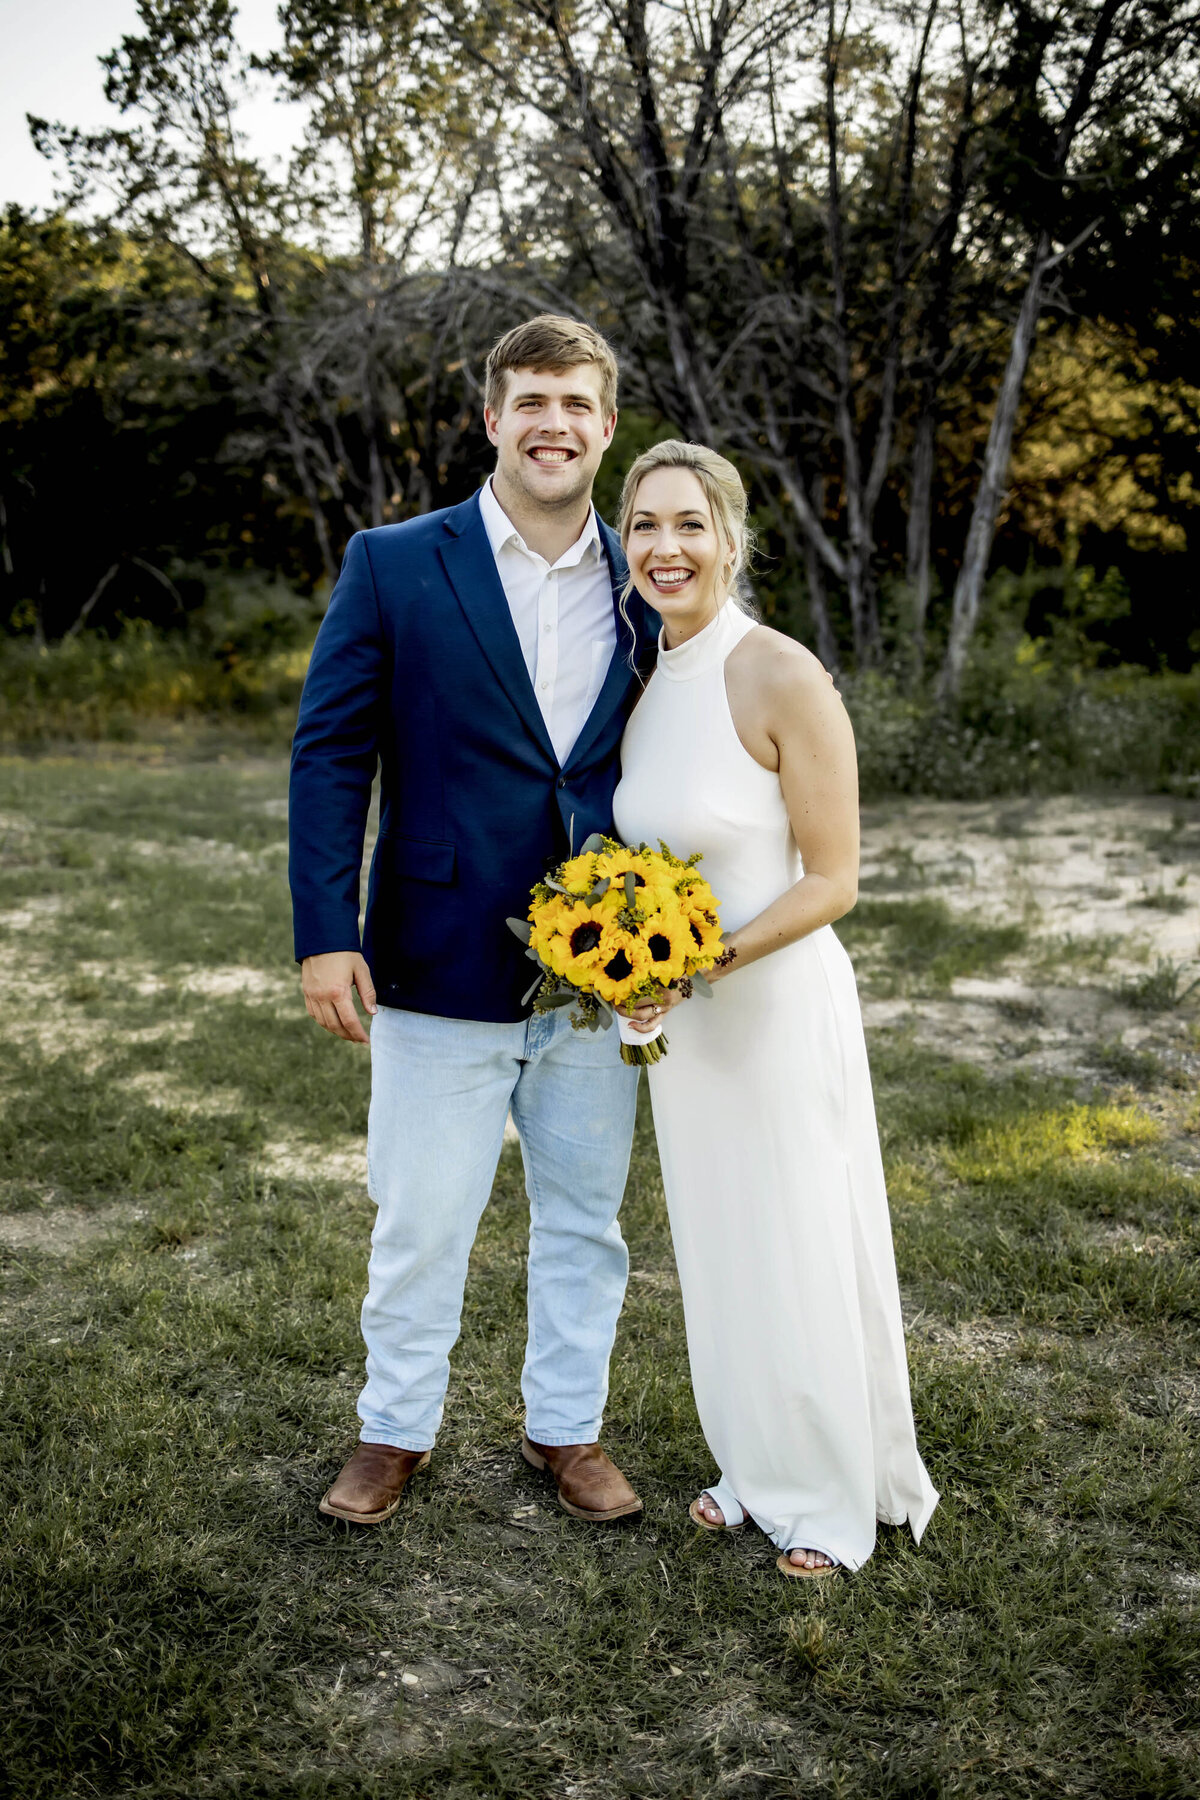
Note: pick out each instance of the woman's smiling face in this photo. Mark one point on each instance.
(675, 556)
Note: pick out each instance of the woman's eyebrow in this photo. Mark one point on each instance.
(689, 512)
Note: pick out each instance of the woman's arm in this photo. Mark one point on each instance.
(789, 715)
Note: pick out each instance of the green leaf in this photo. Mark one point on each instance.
(556, 887)
(530, 992)
(562, 998)
(630, 889)
(520, 928)
(593, 844)
(598, 892)
(604, 1018)
(702, 985)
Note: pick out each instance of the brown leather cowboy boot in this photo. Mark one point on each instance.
(590, 1486)
(370, 1487)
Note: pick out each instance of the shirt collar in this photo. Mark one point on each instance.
(502, 532)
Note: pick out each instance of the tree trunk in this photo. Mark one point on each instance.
(864, 616)
(919, 532)
(309, 489)
(814, 580)
(968, 589)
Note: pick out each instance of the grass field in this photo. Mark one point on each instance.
(184, 1228)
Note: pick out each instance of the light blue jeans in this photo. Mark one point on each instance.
(441, 1090)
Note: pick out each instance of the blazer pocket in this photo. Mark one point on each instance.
(420, 859)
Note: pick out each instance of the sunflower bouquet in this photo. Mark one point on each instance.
(613, 925)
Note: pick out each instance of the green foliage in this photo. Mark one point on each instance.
(1030, 729)
(145, 682)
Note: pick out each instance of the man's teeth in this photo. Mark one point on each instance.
(557, 456)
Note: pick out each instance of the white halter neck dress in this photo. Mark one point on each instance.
(770, 1155)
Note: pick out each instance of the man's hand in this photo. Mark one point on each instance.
(328, 983)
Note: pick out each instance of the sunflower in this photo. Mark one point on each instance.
(624, 962)
(670, 944)
(653, 884)
(567, 936)
(579, 876)
(546, 919)
(704, 931)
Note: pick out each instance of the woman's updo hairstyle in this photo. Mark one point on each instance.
(726, 498)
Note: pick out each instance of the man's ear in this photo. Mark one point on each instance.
(609, 428)
(489, 425)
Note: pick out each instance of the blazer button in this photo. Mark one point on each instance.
(562, 781)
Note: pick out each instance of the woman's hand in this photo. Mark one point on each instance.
(651, 1009)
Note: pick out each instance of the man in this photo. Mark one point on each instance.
(479, 655)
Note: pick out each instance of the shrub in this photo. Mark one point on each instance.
(1030, 730)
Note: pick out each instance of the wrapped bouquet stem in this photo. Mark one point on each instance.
(615, 925)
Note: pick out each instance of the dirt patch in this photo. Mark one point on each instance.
(159, 1088)
(63, 1230)
(293, 1159)
(240, 983)
(1106, 903)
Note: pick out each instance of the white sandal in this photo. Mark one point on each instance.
(724, 1497)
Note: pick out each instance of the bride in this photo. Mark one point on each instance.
(740, 748)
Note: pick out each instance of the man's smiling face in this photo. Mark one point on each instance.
(550, 434)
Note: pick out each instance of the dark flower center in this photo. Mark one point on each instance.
(660, 947)
(619, 967)
(696, 935)
(585, 938)
(638, 880)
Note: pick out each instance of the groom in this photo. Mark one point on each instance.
(478, 655)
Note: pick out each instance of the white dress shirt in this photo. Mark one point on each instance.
(563, 615)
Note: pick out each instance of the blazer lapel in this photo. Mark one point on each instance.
(620, 676)
(467, 558)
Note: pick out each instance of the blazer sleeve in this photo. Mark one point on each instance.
(335, 753)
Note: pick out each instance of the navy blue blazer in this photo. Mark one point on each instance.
(417, 667)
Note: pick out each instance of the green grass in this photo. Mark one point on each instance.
(921, 946)
(182, 1356)
(1161, 988)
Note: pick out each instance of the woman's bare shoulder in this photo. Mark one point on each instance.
(779, 661)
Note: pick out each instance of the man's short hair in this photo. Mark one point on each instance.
(551, 345)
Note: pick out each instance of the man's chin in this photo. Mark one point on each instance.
(561, 492)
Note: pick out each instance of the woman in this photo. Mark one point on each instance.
(740, 748)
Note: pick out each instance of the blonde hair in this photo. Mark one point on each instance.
(550, 344)
(726, 496)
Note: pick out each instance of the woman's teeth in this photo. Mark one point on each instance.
(670, 578)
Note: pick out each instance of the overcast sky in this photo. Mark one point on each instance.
(49, 68)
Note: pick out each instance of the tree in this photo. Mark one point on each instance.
(1074, 72)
